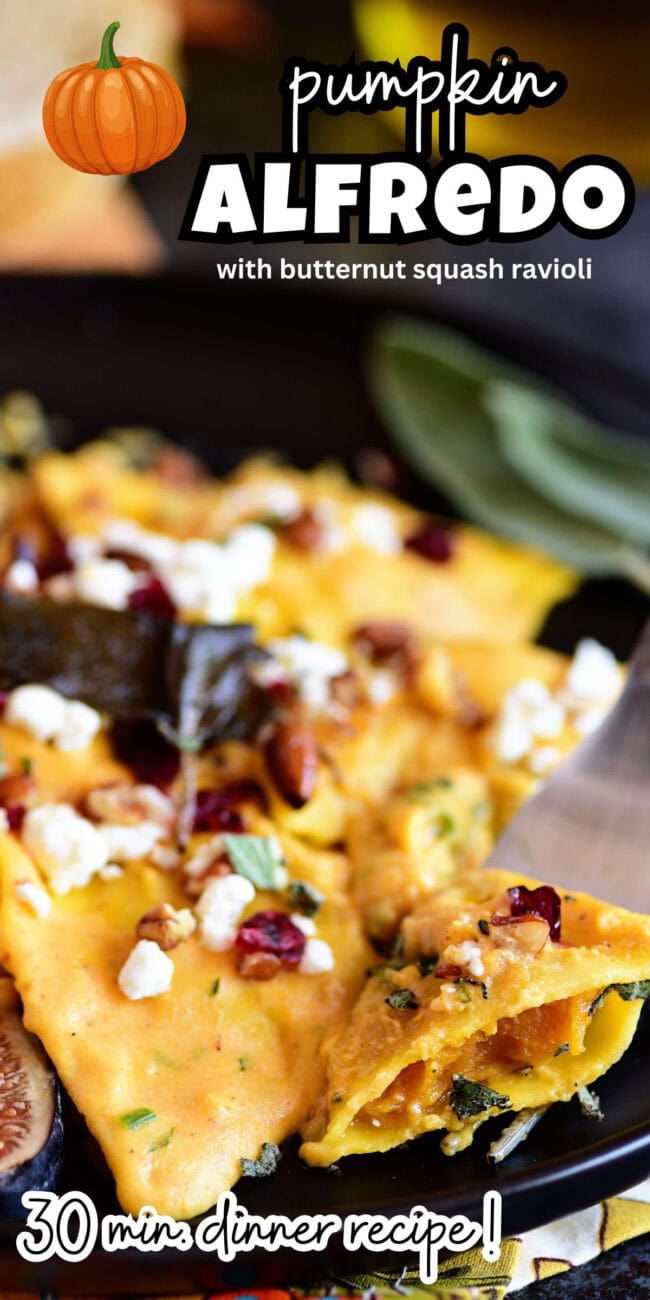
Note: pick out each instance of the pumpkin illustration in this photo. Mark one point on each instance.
(115, 116)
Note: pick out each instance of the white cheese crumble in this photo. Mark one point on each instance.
(316, 958)
(594, 677)
(528, 713)
(48, 716)
(309, 665)
(4, 822)
(304, 923)
(108, 583)
(542, 760)
(110, 872)
(146, 973)
(467, 955)
(67, 849)
(22, 576)
(34, 897)
(282, 502)
(374, 526)
(381, 686)
(125, 843)
(203, 578)
(219, 909)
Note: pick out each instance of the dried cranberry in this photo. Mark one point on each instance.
(153, 598)
(446, 971)
(15, 814)
(4, 700)
(139, 745)
(136, 563)
(56, 560)
(213, 811)
(544, 902)
(432, 542)
(272, 932)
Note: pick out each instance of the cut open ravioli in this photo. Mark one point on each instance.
(485, 1016)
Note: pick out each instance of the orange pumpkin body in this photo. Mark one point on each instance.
(114, 120)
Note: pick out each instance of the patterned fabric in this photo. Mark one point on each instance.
(535, 1256)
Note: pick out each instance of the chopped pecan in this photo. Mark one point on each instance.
(178, 467)
(165, 926)
(17, 788)
(305, 532)
(291, 757)
(259, 965)
(345, 690)
(128, 805)
(388, 643)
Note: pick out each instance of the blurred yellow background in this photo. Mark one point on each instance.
(601, 48)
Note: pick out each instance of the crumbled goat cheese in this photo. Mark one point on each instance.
(543, 759)
(165, 857)
(125, 843)
(309, 665)
(528, 713)
(594, 676)
(219, 909)
(374, 526)
(69, 724)
(36, 898)
(67, 848)
(467, 955)
(381, 686)
(22, 576)
(4, 822)
(316, 958)
(282, 502)
(108, 583)
(304, 923)
(147, 971)
(110, 872)
(203, 578)
(82, 548)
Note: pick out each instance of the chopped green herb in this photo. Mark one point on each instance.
(214, 989)
(335, 1098)
(464, 994)
(628, 992)
(255, 857)
(569, 898)
(398, 945)
(469, 1098)
(304, 898)
(427, 965)
(267, 1163)
(444, 825)
(420, 792)
(136, 1118)
(402, 1000)
(397, 963)
(163, 1141)
(484, 926)
(26, 765)
(167, 1062)
(560, 1050)
(243, 1063)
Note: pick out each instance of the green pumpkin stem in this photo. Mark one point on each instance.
(107, 56)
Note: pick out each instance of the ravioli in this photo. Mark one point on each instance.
(484, 1016)
(221, 1071)
(353, 568)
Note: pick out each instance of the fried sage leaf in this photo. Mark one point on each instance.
(268, 1162)
(193, 680)
(469, 1098)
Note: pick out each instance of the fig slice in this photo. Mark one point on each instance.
(31, 1128)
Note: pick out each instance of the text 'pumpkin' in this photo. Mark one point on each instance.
(115, 116)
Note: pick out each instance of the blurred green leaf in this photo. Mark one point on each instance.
(456, 411)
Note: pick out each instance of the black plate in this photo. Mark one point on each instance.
(228, 372)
